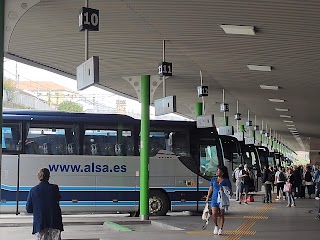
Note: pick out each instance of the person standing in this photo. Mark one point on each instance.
(308, 178)
(280, 180)
(246, 181)
(317, 181)
(239, 181)
(43, 202)
(289, 192)
(267, 180)
(217, 183)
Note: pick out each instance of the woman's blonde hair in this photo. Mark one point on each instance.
(44, 174)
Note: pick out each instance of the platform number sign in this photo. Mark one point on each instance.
(89, 19)
(165, 69)
(203, 91)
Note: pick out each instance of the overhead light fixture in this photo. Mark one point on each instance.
(282, 109)
(276, 100)
(292, 128)
(287, 121)
(235, 29)
(291, 125)
(260, 68)
(269, 87)
(294, 131)
(285, 116)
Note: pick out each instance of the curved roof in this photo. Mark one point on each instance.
(45, 33)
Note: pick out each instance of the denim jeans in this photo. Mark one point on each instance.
(268, 188)
(290, 198)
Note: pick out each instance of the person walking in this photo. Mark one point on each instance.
(218, 183)
(43, 202)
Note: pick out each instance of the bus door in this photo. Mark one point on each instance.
(231, 153)
(251, 158)
(209, 162)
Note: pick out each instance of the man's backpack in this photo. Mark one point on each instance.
(271, 177)
(282, 177)
(234, 176)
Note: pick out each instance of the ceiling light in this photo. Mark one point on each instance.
(291, 128)
(285, 116)
(268, 87)
(234, 29)
(282, 109)
(291, 125)
(287, 121)
(276, 100)
(294, 131)
(260, 68)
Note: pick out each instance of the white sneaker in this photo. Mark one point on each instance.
(216, 230)
(220, 231)
(317, 198)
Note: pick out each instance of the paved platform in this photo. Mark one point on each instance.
(254, 221)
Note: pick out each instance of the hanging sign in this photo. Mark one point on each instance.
(202, 91)
(165, 69)
(89, 19)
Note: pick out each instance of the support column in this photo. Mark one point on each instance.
(144, 147)
(198, 110)
(1, 75)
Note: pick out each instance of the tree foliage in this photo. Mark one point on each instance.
(69, 106)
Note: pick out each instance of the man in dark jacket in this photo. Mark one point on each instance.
(43, 202)
(267, 180)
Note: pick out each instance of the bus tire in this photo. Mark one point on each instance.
(134, 214)
(158, 203)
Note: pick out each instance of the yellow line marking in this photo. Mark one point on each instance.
(227, 232)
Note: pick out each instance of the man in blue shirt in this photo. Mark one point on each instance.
(43, 202)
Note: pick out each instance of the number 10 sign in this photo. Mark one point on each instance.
(89, 19)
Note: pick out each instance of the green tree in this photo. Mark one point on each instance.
(69, 106)
(9, 85)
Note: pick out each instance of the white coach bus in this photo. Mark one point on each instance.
(94, 158)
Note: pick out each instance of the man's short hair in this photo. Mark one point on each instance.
(44, 174)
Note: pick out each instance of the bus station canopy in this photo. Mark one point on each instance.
(281, 48)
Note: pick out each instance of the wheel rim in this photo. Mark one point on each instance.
(155, 205)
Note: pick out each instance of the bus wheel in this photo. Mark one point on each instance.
(134, 214)
(158, 203)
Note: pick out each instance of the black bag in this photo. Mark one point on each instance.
(282, 177)
(246, 179)
(308, 177)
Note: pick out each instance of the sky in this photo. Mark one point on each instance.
(29, 73)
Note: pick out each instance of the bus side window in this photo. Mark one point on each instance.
(47, 140)
(180, 144)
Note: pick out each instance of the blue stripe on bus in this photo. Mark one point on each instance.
(102, 188)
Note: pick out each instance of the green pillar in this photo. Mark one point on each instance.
(241, 128)
(1, 75)
(198, 110)
(226, 121)
(144, 147)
